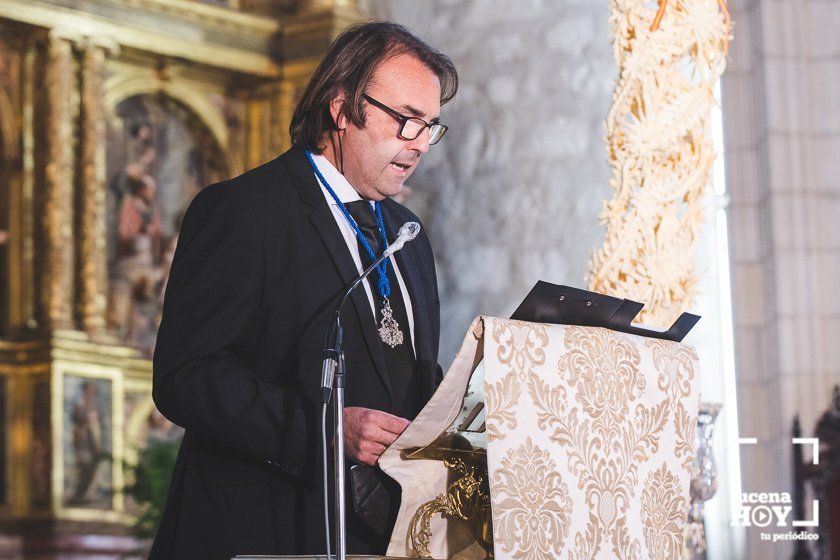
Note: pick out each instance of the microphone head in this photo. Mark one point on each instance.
(409, 230)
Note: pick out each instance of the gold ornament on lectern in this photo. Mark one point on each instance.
(467, 499)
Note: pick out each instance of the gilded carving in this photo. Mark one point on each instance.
(69, 69)
(92, 254)
(57, 286)
(466, 499)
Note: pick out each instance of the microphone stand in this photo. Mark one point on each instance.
(340, 479)
(332, 379)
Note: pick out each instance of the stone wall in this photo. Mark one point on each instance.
(512, 194)
(781, 100)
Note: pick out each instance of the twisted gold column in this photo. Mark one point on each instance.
(92, 266)
(57, 201)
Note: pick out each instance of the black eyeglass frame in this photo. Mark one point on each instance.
(403, 120)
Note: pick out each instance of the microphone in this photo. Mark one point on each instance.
(332, 344)
(407, 233)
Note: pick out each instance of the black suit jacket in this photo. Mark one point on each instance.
(257, 272)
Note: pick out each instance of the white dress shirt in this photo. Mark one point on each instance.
(346, 193)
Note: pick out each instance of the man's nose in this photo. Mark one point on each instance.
(421, 143)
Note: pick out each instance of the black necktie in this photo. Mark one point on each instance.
(399, 360)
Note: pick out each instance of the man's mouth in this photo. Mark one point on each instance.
(401, 166)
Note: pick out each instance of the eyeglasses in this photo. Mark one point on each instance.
(411, 127)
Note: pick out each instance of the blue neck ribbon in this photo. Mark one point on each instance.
(382, 270)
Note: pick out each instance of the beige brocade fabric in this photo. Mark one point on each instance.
(590, 443)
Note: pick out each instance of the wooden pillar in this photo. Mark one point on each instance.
(54, 211)
(91, 258)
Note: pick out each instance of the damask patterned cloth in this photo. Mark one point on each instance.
(590, 436)
(590, 441)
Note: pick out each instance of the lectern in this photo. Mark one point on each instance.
(570, 436)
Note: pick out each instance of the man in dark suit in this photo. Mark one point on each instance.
(260, 263)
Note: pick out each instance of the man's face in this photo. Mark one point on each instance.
(376, 160)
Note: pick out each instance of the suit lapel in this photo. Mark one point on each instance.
(324, 222)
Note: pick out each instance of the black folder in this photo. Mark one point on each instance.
(563, 305)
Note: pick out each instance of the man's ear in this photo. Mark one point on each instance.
(337, 112)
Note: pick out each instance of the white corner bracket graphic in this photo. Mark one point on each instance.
(815, 447)
(815, 517)
(815, 460)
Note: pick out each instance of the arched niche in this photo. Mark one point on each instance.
(159, 154)
(129, 83)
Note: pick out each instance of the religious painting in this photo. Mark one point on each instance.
(87, 442)
(159, 156)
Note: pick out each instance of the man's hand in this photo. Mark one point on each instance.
(368, 432)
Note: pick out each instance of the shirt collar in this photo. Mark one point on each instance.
(339, 183)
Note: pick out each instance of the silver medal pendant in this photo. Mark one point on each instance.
(389, 330)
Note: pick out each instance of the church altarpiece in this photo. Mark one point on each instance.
(112, 117)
